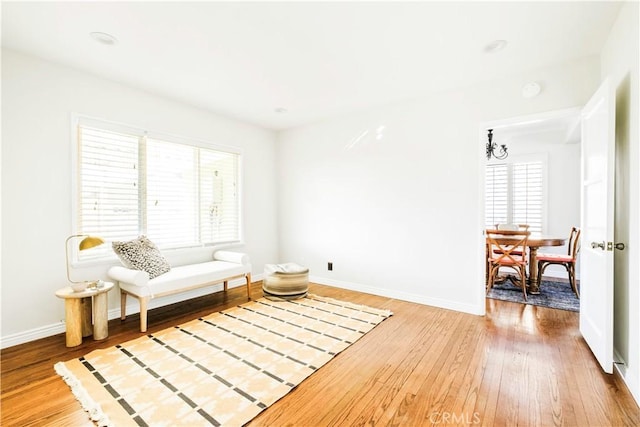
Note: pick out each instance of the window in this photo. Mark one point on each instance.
(177, 192)
(514, 194)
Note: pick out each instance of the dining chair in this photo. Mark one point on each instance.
(512, 227)
(568, 261)
(507, 248)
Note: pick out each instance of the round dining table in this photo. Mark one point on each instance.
(535, 242)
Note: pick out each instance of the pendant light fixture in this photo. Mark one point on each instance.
(492, 148)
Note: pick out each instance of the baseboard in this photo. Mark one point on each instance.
(31, 335)
(559, 278)
(404, 296)
(631, 381)
(114, 313)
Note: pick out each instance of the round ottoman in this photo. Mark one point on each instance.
(285, 281)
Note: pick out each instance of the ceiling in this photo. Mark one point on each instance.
(314, 59)
(557, 127)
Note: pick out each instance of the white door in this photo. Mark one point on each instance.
(596, 272)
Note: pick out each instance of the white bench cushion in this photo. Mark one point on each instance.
(181, 277)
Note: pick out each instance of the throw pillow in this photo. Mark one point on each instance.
(142, 254)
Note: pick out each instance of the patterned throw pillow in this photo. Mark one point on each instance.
(142, 254)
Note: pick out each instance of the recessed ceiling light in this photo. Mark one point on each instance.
(280, 110)
(531, 89)
(104, 38)
(495, 46)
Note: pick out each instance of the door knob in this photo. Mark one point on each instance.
(619, 246)
(595, 245)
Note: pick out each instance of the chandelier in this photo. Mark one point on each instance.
(492, 148)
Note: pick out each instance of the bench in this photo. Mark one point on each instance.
(226, 266)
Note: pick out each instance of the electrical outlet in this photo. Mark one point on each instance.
(330, 266)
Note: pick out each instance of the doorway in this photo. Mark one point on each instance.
(547, 148)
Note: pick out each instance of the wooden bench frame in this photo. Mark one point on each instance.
(144, 300)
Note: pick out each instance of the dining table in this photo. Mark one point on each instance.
(534, 242)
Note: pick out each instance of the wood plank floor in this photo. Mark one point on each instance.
(519, 365)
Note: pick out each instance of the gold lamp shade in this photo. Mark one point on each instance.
(87, 243)
(90, 242)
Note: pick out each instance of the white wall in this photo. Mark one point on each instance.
(402, 215)
(38, 98)
(620, 62)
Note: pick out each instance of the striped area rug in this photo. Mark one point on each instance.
(222, 369)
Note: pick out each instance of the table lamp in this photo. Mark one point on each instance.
(87, 243)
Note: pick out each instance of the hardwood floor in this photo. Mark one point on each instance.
(518, 365)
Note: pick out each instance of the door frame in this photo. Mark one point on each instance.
(482, 137)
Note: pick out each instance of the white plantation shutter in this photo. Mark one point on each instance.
(496, 195)
(178, 194)
(527, 195)
(514, 194)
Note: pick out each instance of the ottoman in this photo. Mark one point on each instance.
(285, 281)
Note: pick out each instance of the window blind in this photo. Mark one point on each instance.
(514, 194)
(527, 195)
(496, 195)
(178, 194)
(108, 187)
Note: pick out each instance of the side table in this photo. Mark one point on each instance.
(80, 308)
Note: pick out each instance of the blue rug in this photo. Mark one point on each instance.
(552, 294)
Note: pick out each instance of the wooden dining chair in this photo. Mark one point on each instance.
(512, 227)
(507, 248)
(568, 261)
